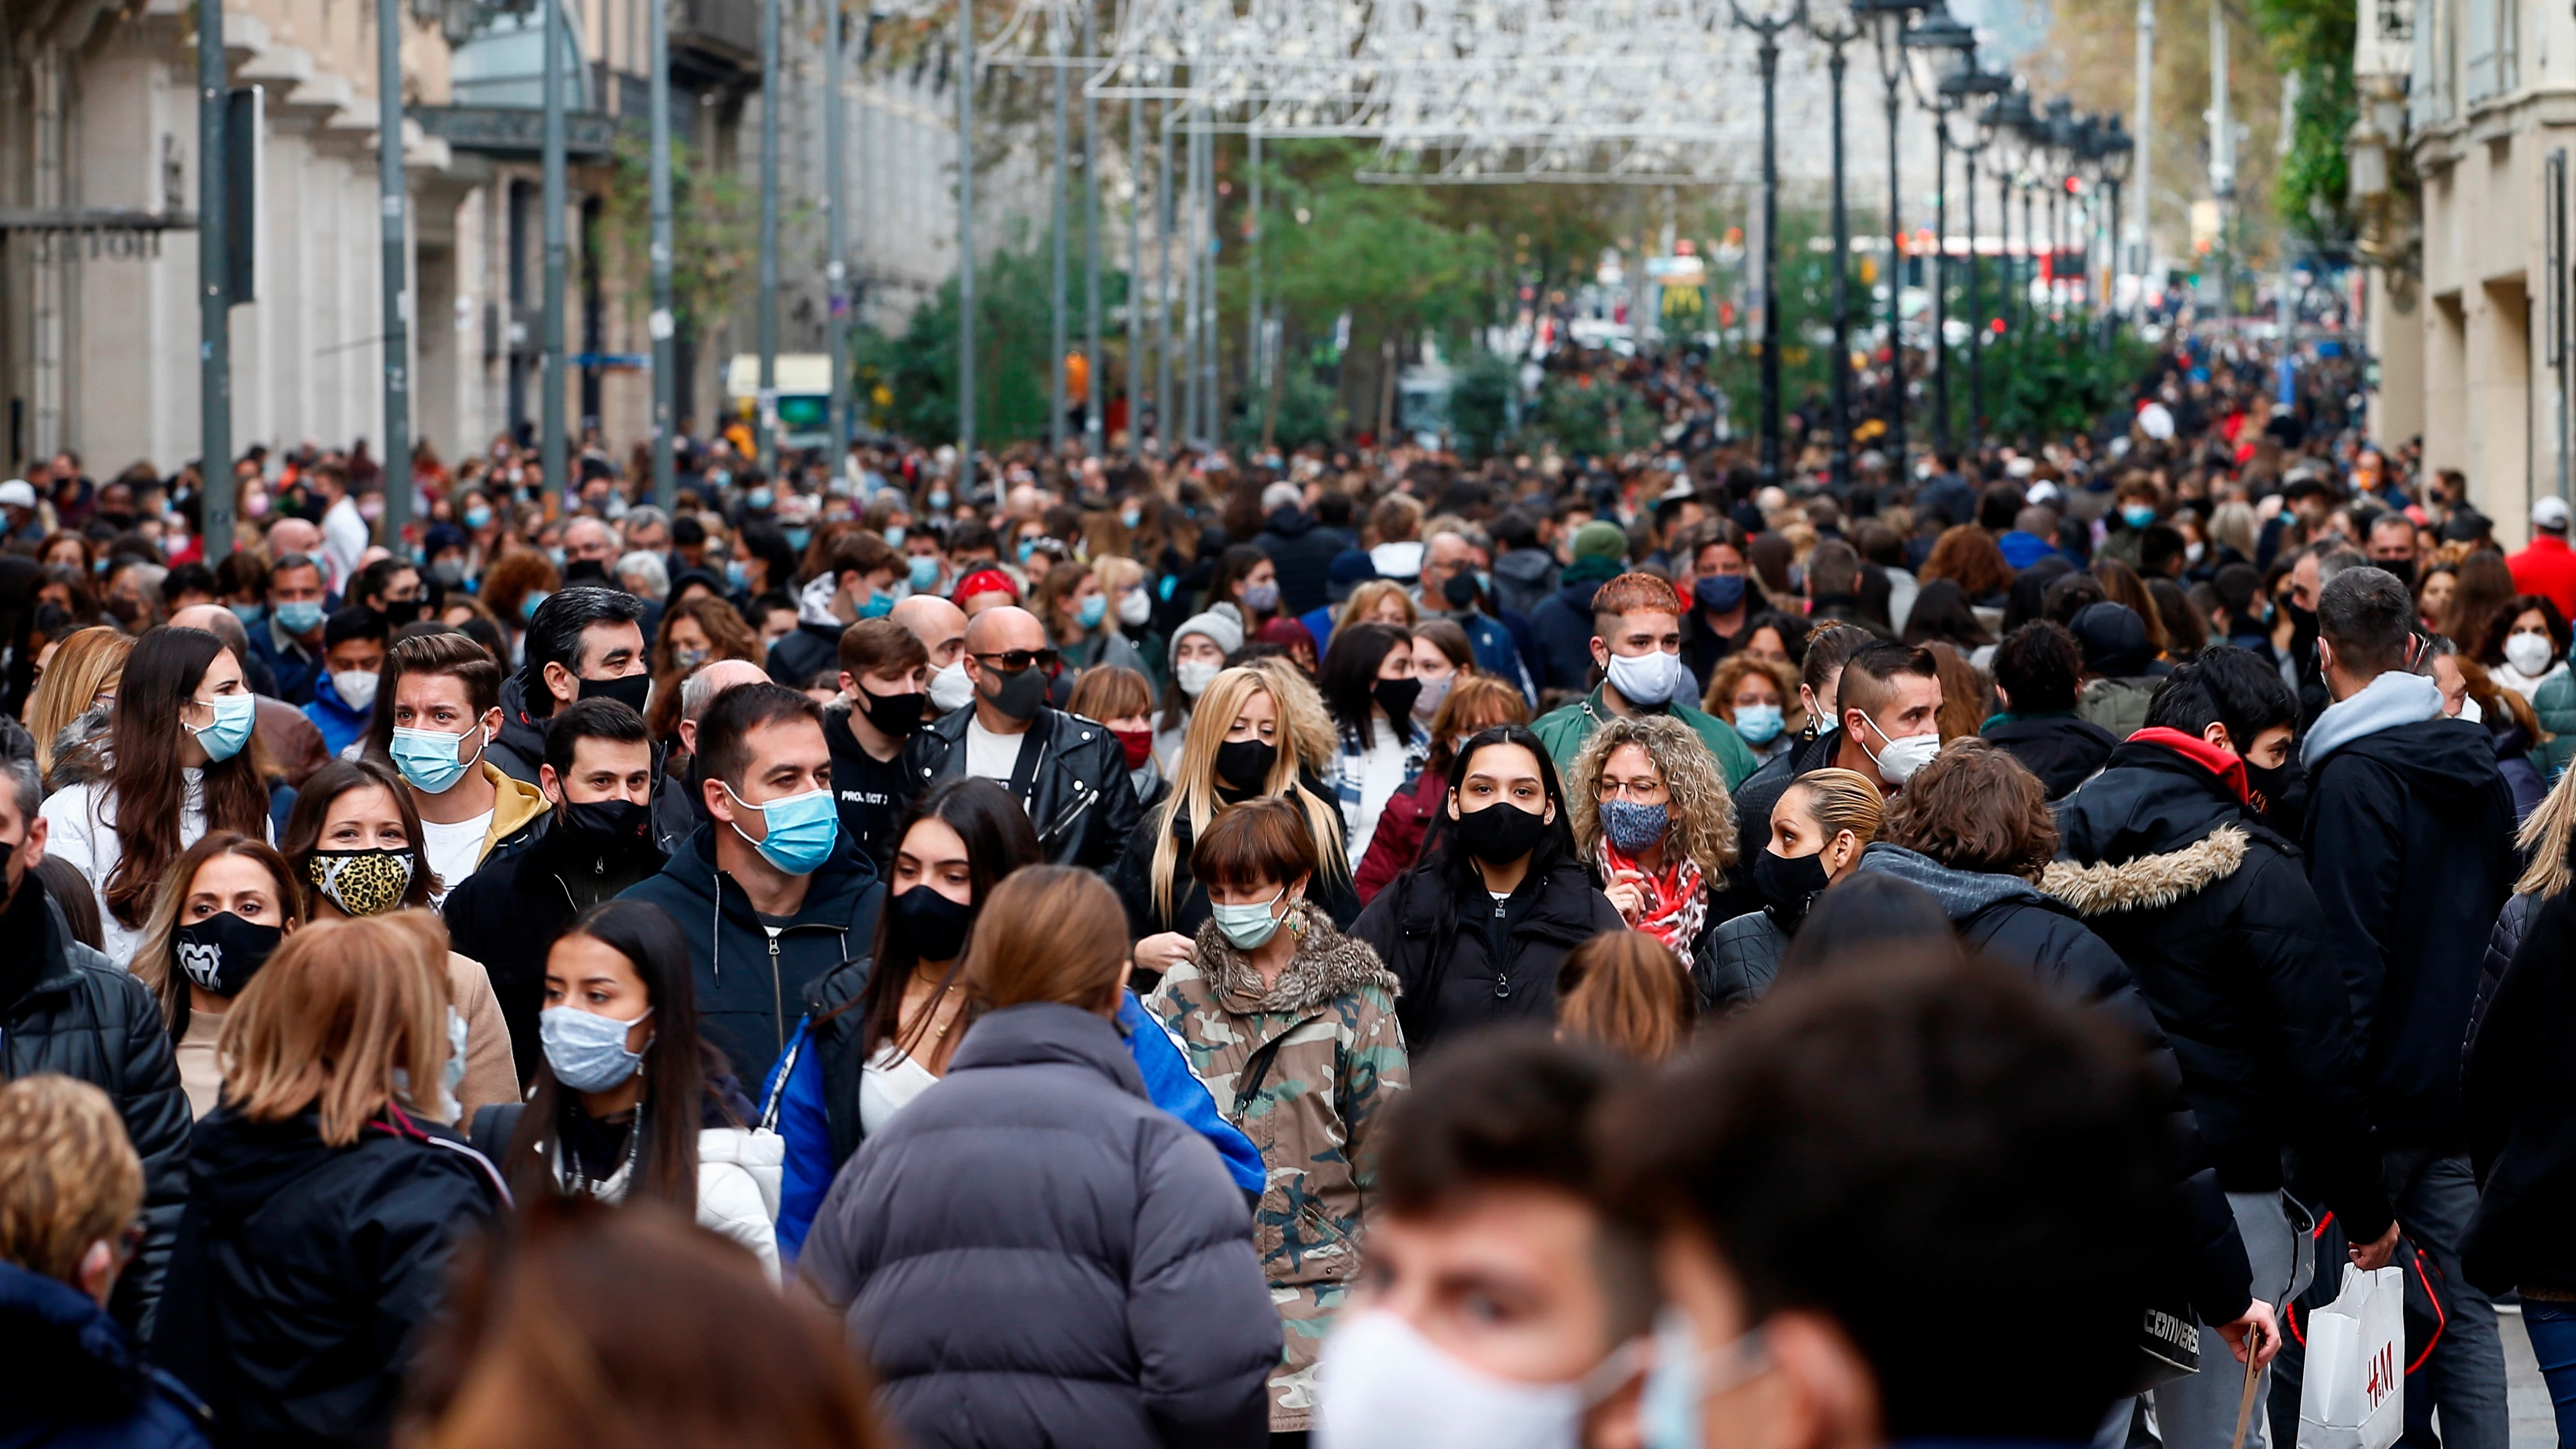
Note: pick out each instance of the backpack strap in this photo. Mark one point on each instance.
(493, 1128)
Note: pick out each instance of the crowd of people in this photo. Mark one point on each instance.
(1354, 945)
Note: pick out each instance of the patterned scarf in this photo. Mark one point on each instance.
(1676, 907)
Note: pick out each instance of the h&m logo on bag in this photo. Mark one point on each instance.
(2182, 1333)
(2383, 1377)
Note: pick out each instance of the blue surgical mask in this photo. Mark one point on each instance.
(586, 1051)
(1759, 724)
(234, 716)
(894, 535)
(303, 616)
(428, 759)
(802, 830)
(1131, 515)
(923, 572)
(1093, 610)
(797, 538)
(1683, 1378)
(1248, 927)
(2137, 515)
(555, 556)
(737, 575)
(877, 606)
(1028, 546)
(759, 500)
(478, 518)
(249, 614)
(939, 498)
(529, 606)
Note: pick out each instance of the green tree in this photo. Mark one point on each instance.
(715, 230)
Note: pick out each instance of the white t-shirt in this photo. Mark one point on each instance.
(1381, 775)
(887, 1084)
(455, 851)
(990, 755)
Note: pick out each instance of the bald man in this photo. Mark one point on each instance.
(292, 742)
(1068, 772)
(676, 807)
(941, 628)
(293, 535)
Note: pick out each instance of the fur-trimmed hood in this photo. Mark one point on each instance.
(2148, 882)
(1326, 964)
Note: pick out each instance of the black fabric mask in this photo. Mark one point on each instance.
(609, 824)
(585, 571)
(1789, 883)
(1245, 764)
(1500, 833)
(630, 690)
(222, 952)
(1020, 695)
(934, 924)
(2282, 794)
(1396, 697)
(2403, 568)
(893, 715)
(1460, 591)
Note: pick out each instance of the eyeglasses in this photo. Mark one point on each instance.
(1012, 661)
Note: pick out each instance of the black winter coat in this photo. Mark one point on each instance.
(1452, 983)
(1737, 960)
(2409, 838)
(305, 1273)
(2011, 922)
(2062, 750)
(1033, 1255)
(75, 1381)
(1302, 551)
(1134, 876)
(804, 652)
(509, 914)
(1080, 798)
(2520, 1109)
(521, 745)
(1524, 578)
(85, 1017)
(1562, 624)
(1761, 792)
(2215, 918)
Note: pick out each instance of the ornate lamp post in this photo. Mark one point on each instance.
(1942, 51)
(2008, 123)
(1888, 21)
(1837, 24)
(1767, 25)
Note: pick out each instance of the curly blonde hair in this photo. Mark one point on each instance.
(1703, 814)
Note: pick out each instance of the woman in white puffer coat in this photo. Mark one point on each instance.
(627, 1094)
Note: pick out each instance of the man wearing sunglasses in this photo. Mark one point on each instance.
(1068, 772)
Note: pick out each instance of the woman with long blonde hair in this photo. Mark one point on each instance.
(1240, 746)
(338, 1054)
(81, 676)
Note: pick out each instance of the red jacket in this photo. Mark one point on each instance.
(2547, 568)
(1398, 841)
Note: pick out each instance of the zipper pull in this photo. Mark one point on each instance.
(1502, 986)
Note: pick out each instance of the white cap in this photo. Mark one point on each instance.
(19, 493)
(2548, 511)
(1397, 560)
(2044, 491)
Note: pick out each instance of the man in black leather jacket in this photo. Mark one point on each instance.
(1068, 772)
(66, 1008)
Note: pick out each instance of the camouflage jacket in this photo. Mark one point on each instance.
(1340, 1052)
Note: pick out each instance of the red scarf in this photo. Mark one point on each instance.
(1676, 907)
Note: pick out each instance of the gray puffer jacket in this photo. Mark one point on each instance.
(1033, 1254)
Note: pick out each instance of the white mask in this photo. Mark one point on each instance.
(1898, 762)
(1382, 1385)
(1135, 607)
(2471, 711)
(356, 687)
(950, 689)
(2528, 653)
(1195, 675)
(1646, 679)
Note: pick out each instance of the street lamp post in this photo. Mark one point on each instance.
(772, 97)
(2012, 160)
(552, 446)
(392, 192)
(836, 268)
(661, 326)
(1836, 27)
(214, 289)
(1976, 83)
(1941, 51)
(1058, 215)
(1767, 27)
(1887, 20)
(2119, 151)
(965, 250)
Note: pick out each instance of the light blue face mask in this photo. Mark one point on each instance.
(737, 576)
(760, 499)
(923, 572)
(302, 616)
(1759, 724)
(2137, 515)
(939, 498)
(802, 830)
(797, 538)
(1248, 927)
(529, 606)
(1093, 610)
(428, 759)
(478, 518)
(234, 715)
(1668, 1409)
(877, 606)
(587, 1051)
(894, 535)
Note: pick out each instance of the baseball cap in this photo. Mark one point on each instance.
(19, 493)
(2547, 511)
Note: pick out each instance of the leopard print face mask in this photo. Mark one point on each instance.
(361, 882)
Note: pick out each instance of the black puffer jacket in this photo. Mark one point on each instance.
(1737, 960)
(1080, 798)
(521, 745)
(71, 1010)
(1134, 876)
(2409, 838)
(2521, 1114)
(76, 1381)
(306, 1272)
(1302, 551)
(1034, 1254)
(2214, 916)
(2012, 922)
(1452, 983)
(2061, 749)
(509, 914)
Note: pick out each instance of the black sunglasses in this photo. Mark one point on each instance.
(1012, 661)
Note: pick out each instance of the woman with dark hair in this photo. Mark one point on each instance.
(1500, 855)
(1369, 687)
(1245, 578)
(168, 786)
(630, 1101)
(228, 903)
(2480, 589)
(1941, 612)
(353, 847)
(695, 632)
(1776, 637)
(2526, 645)
(1478, 702)
(1441, 657)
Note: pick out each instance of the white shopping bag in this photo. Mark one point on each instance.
(2354, 1393)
